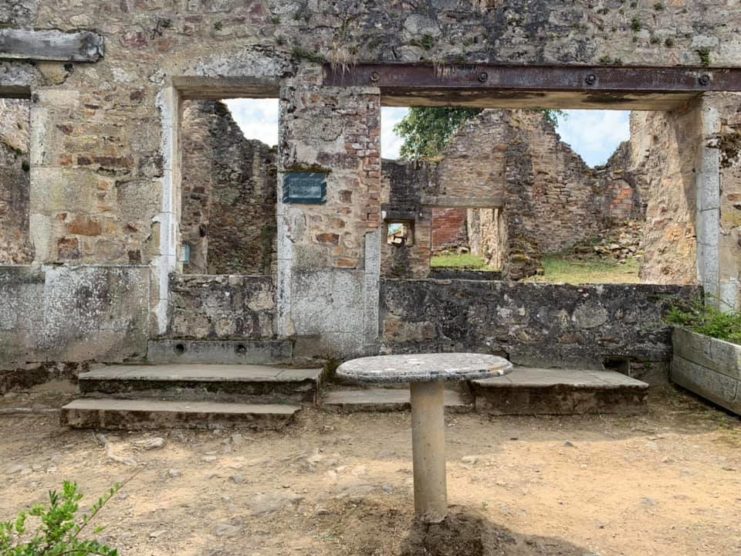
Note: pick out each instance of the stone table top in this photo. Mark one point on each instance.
(424, 367)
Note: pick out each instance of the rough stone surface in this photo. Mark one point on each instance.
(386, 399)
(15, 247)
(533, 324)
(708, 367)
(89, 413)
(73, 314)
(229, 194)
(424, 367)
(222, 307)
(529, 391)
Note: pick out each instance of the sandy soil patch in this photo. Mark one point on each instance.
(665, 483)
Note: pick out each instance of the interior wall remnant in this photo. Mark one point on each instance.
(15, 244)
(663, 154)
(487, 229)
(514, 161)
(229, 188)
(449, 229)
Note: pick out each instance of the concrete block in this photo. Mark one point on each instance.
(714, 354)
(712, 385)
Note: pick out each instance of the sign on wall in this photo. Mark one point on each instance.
(305, 188)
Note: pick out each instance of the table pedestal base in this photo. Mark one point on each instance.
(428, 450)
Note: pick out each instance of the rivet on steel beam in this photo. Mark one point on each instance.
(704, 80)
(590, 79)
(374, 77)
(483, 77)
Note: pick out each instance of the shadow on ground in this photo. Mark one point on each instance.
(467, 532)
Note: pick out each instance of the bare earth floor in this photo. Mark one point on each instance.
(665, 483)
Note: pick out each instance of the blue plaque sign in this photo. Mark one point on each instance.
(305, 188)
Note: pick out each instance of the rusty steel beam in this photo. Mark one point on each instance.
(404, 79)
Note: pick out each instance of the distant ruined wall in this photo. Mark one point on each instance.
(228, 194)
(514, 161)
(663, 150)
(15, 246)
(449, 230)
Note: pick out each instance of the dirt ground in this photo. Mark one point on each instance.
(667, 483)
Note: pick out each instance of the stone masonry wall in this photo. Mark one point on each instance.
(532, 324)
(228, 194)
(663, 147)
(515, 161)
(15, 246)
(222, 307)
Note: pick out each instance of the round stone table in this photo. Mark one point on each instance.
(426, 374)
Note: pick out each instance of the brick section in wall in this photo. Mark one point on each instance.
(449, 230)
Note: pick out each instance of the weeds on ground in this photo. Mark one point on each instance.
(462, 260)
(59, 527)
(707, 320)
(563, 269)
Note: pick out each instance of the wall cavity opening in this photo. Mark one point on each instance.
(15, 183)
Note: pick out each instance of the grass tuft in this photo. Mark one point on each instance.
(463, 260)
(561, 269)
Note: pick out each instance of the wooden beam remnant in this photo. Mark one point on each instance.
(56, 46)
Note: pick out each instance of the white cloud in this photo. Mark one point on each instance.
(256, 117)
(390, 141)
(594, 134)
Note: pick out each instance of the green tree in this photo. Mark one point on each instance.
(427, 129)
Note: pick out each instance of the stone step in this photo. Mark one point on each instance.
(87, 413)
(533, 391)
(232, 383)
(348, 400)
(220, 352)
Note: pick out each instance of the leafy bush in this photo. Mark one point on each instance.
(58, 530)
(707, 320)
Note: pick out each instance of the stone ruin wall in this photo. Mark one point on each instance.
(547, 198)
(100, 181)
(15, 245)
(659, 157)
(229, 186)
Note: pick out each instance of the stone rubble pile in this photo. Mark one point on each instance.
(620, 243)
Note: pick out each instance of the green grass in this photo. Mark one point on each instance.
(559, 269)
(464, 260)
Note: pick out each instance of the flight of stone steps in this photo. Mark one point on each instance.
(193, 395)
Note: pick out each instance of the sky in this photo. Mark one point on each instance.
(593, 134)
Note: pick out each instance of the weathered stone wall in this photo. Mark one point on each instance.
(514, 161)
(533, 324)
(105, 166)
(663, 149)
(228, 195)
(73, 314)
(222, 307)
(15, 246)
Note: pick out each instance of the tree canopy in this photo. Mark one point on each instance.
(427, 129)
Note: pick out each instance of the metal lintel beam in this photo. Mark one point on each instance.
(51, 45)
(405, 78)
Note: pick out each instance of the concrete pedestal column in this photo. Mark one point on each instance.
(428, 450)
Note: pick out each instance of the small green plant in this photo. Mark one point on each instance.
(707, 320)
(300, 53)
(704, 54)
(669, 42)
(659, 7)
(59, 529)
(635, 25)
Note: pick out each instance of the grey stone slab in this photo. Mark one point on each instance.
(23, 44)
(384, 399)
(718, 355)
(575, 378)
(714, 386)
(154, 414)
(424, 367)
(201, 373)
